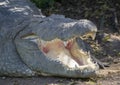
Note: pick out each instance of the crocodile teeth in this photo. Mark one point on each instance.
(65, 43)
(64, 52)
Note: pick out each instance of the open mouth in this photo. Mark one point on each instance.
(69, 52)
(68, 58)
(65, 51)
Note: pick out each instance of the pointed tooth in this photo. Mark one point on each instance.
(65, 43)
(68, 41)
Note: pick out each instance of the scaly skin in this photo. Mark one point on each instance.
(23, 55)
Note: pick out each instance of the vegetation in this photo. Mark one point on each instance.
(43, 3)
(104, 13)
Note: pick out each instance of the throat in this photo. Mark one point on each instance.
(66, 52)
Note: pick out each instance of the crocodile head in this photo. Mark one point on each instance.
(58, 51)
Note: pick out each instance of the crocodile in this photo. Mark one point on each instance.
(32, 44)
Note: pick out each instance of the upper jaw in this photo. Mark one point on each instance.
(63, 28)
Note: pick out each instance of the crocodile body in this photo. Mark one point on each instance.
(21, 56)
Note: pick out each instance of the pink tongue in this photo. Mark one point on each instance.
(69, 46)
